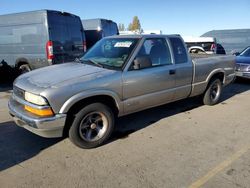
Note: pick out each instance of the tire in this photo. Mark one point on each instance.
(92, 126)
(213, 92)
(24, 69)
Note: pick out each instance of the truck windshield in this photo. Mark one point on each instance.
(110, 52)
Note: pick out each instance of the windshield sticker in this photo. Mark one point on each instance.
(125, 44)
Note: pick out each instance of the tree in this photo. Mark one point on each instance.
(135, 25)
(130, 27)
(121, 27)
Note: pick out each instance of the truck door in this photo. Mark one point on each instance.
(183, 69)
(151, 86)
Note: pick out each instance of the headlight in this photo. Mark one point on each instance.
(248, 69)
(35, 99)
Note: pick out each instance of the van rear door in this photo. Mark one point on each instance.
(74, 47)
(58, 35)
(109, 28)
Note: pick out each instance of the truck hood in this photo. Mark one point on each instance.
(56, 75)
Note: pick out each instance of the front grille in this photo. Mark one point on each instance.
(18, 92)
(242, 67)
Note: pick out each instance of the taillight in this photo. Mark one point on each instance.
(213, 47)
(49, 50)
(84, 46)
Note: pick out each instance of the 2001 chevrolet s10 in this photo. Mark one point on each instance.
(118, 76)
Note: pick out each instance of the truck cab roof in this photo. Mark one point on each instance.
(144, 36)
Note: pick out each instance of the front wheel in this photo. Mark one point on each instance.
(92, 126)
(213, 92)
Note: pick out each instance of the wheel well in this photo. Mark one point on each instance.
(219, 75)
(104, 99)
(23, 62)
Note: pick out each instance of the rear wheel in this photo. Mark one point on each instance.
(213, 92)
(92, 126)
(24, 68)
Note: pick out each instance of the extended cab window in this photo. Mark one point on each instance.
(179, 49)
(157, 50)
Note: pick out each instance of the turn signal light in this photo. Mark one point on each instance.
(39, 112)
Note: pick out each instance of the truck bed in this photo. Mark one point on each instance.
(206, 65)
(199, 56)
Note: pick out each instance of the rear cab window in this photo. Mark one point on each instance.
(179, 50)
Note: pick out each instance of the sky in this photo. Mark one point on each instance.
(188, 18)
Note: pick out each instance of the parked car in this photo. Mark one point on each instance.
(208, 44)
(243, 63)
(96, 29)
(31, 40)
(119, 75)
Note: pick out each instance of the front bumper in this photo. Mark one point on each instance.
(229, 79)
(49, 127)
(242, 74)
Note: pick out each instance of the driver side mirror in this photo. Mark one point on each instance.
(142, 62)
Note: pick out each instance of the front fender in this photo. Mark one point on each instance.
(90, 93)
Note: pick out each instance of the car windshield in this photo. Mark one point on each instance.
(110, 52)
(246, 52)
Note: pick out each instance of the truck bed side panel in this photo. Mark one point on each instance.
(206, 67)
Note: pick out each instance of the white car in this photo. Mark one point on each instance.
(206, 44)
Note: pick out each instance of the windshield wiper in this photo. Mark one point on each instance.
(93, 62)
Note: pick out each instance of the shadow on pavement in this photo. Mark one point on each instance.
(18, 145)
(7, 76)
(239, 86)
(5, 87)
(134, 122)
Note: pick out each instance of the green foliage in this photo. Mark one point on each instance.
(135, 25)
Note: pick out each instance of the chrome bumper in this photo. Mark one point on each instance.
(242, 74)
(49, 127)
(229, 78)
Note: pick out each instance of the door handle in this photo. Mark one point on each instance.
(171, 72)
